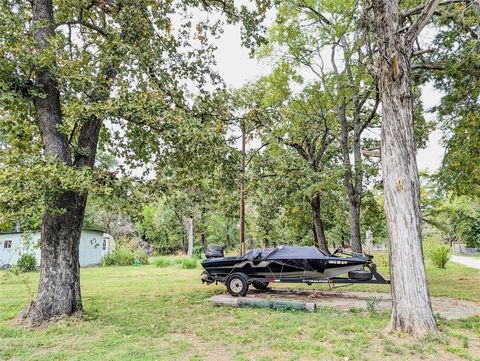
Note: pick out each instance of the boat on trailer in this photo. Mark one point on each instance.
(287, 264)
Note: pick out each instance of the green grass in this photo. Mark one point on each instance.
(163, 313)
(162, 262)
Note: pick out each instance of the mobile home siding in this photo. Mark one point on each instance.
(91, 247)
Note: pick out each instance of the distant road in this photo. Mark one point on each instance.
(466, 261)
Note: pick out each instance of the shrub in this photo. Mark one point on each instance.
(372, 304)
(146, 247)
(440, 256)
(162, 262)
(140, 257)
(189, 263)
(197, 252)
(27, 262)
(122, 256)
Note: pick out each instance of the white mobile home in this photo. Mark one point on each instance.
(94, 245)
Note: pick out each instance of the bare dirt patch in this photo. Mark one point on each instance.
(447, 308)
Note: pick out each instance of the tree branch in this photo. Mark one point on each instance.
(324, 143)
(372, 113)
(416, 10)
(322, 18)
(430, 66)
(299, 149)
(424, 51)
(85, 24)
(420, 22)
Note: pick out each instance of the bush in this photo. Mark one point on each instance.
(140, 257)
(162, 262)
(440, 256)
(122, 256)
(146, 247)
(27, 262)
(197, 252)
(189, 263)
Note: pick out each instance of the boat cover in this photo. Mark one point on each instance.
(284, 252)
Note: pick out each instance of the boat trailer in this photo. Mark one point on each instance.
(257, 282)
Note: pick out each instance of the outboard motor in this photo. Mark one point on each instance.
(214, 251)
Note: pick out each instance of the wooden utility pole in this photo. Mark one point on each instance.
(242, 196)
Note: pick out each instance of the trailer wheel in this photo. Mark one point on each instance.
(237, 285)
(260, 285)
(360, 275)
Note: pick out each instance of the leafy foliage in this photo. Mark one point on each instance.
(121, 256)
(27, 262)
(457, 49)
(141, 257)
(440, 256)
(451, 218)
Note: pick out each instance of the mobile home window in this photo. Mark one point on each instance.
(7, 244)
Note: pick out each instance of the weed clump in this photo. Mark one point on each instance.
(440, 256)
(162, 262)
(189, 263)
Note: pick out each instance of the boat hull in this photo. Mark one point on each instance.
(283, 268)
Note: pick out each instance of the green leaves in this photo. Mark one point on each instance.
(457, 49)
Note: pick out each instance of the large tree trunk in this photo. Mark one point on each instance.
(59, 287)
(318, 224)
(412, 311)
(189, 225)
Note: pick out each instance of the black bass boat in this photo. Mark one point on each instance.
(293, 264)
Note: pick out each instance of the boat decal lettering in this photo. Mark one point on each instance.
(337, 262)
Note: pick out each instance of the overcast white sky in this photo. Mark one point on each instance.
(236, 67)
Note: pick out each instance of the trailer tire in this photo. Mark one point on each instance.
(260, 285)
(237, 285)
(360, 275)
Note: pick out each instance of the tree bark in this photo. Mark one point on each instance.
(356, 199)
(59, 288)
(412, 311)
(190, 226)
(353, 182)
(318, 224)
(354, 223)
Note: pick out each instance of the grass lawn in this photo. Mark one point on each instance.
(149, 313)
